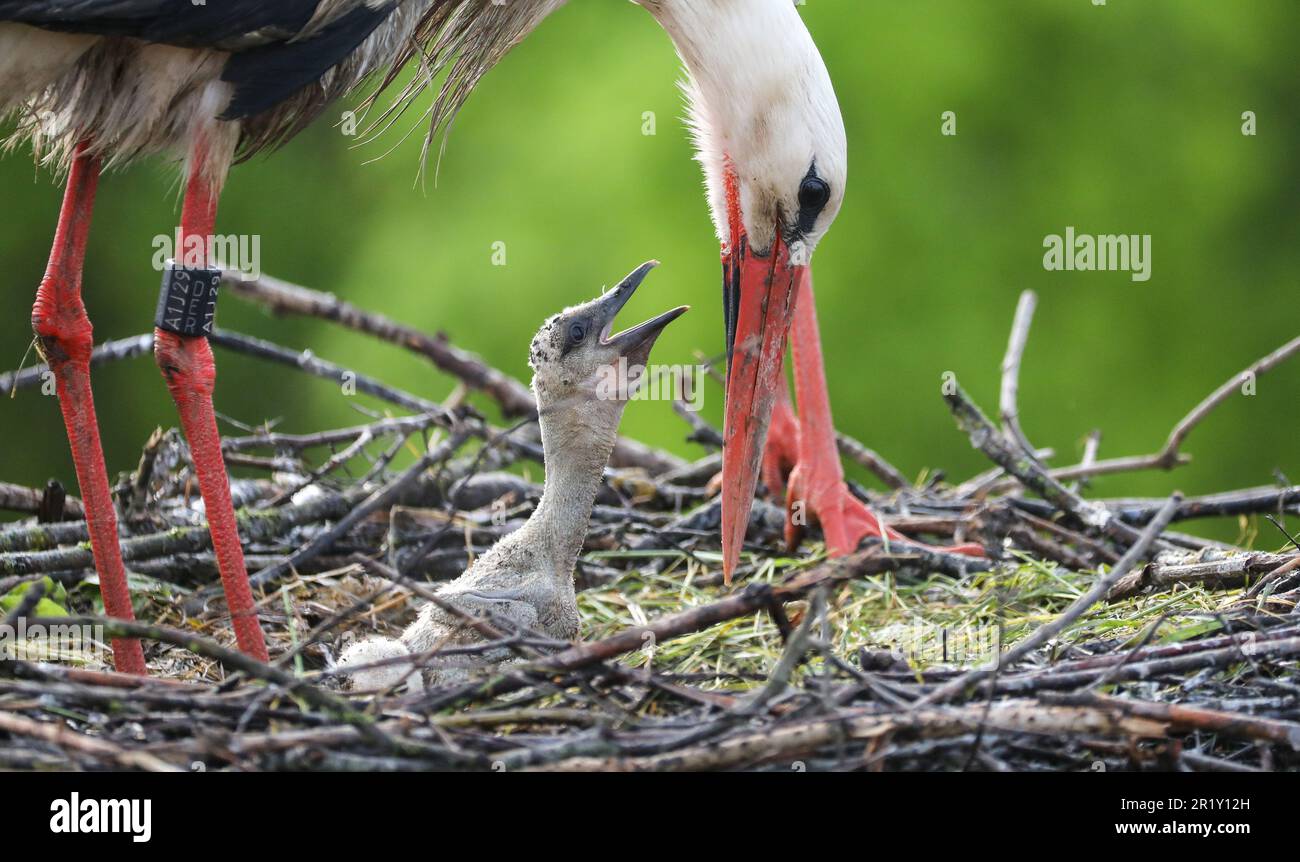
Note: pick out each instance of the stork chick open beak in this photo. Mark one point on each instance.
(634, 343)
(758, 297)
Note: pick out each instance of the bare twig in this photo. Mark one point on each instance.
(1170, 455)
(1008, 401)
(283, 297)
(1019, 463)
(109, 351)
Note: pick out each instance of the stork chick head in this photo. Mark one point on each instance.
(578, 363)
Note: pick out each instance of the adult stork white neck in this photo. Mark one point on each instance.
(102, 82)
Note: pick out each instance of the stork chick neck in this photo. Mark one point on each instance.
(577, 440)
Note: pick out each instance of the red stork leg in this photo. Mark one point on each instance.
(816, 488)
(781, 455)
(187, 365)
(66, 339)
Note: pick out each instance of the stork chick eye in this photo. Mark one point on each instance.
(577, 332)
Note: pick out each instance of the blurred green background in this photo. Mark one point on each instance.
(1122, 118)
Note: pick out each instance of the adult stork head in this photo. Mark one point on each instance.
(770, 137)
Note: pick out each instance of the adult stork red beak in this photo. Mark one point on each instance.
(759, 296)
(766, 297)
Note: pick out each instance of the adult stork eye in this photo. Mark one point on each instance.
(814, 194)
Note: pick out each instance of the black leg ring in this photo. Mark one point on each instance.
(187, 303)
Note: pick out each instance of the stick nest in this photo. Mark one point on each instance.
(1094, 637)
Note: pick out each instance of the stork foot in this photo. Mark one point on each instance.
(846, 521)
(815, 492)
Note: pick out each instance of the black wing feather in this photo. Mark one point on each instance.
(176, 22)
(264, 77)
(265, 66)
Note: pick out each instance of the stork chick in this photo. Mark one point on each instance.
(582, 379)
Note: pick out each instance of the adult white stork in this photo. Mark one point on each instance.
(104, 81)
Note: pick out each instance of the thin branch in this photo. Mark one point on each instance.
(282, 297)
(987, 439)
(109, 351)
(1170, 455)
(1008, 401)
